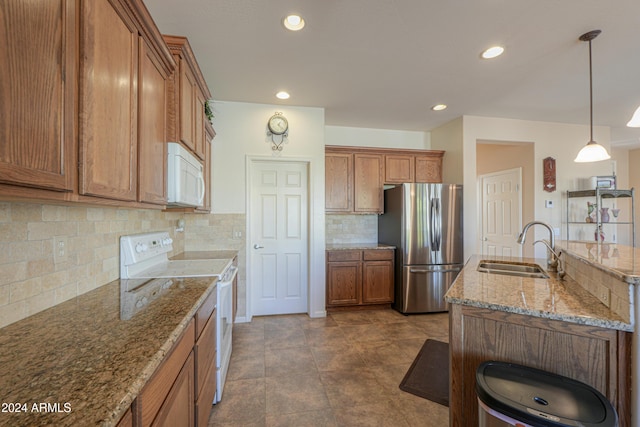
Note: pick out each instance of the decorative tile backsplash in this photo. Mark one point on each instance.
(30, 278)
(611, 291)
(351, 229)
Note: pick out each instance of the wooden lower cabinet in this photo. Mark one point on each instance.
(126, 420)
(168, 380)
(205, 376)
(182, 389)
(177, 409)
(359, 277)
(596, 356)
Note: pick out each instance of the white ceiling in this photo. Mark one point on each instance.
(385, 63)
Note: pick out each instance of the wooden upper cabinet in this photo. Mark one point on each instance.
(187, 106)
(123, 70)
(368, 183)
(199, 119)
(108, 101)
(38, 108)
(152, 135)
(355, 176)
(210, 133)
(338, 182)
(429, 168)
(188, 93)
(398, 168)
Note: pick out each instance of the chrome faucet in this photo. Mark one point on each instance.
(552, 257)
(555, 256)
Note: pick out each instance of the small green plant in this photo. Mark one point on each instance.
(207, 111)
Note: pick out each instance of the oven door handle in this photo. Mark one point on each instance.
(233, 271)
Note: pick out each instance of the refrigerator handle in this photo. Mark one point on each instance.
(448, 270)
(436, 224)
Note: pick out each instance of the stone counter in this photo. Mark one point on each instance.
(546, 298)
(84, 360)
(619, 261)
(357, 246)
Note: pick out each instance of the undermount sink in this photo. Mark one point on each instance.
(510, 268)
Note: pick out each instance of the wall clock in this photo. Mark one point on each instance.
(277, 125)
(549, 174)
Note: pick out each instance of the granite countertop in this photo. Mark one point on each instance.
(549, 298)
(620, 261)
(357, 246)
(84, 359)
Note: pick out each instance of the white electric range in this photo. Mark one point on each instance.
(146, 270)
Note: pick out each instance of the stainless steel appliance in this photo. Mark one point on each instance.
(146, 271)
(424, 223)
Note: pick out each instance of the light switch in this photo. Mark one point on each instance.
(548, 203)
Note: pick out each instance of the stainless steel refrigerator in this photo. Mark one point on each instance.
(424, 223)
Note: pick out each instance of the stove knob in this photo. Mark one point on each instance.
(167, 241)
(141, 247)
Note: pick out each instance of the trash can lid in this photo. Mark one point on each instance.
(541, 398)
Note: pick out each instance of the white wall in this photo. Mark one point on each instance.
(448, 137)
(241, 133)
(560, 141)
(379, 138)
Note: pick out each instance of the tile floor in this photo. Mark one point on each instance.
(342, 370)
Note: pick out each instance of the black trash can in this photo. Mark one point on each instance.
(515, 395)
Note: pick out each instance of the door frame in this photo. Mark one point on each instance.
(480, 204)
(250, 161)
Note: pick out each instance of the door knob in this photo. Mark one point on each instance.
(257, 246)
(485, 239)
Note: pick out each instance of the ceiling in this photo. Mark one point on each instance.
(384, 63)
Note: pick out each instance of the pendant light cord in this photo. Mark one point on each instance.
(590, 93)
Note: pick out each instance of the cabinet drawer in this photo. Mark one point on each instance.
(344, 255)
(204, 312)
(377, 254)
(157, 388)
(205, 352)
(205, 400)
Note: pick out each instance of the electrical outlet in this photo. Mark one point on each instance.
(605, 296)
(236, 233)
(60, 249)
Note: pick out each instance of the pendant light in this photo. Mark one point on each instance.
(592, 152)
(635, 120)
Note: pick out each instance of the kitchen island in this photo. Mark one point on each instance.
(546, 323)
(84, 361)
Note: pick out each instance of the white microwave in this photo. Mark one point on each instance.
(185, 177)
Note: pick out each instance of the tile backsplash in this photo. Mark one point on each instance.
(351, 229)
(30, 278)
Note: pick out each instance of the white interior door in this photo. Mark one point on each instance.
(501, 212)
(279, 239)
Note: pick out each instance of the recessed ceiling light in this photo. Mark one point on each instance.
(282, 95)
(439, 107)
(493, 52)
(294, 22)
